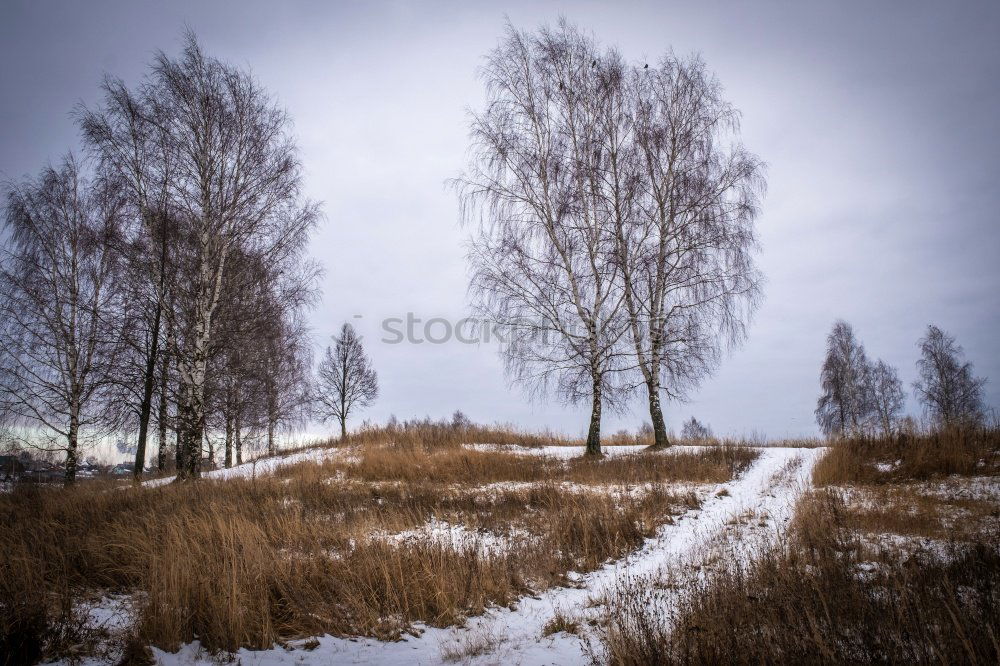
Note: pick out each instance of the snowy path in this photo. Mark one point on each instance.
(769, 489)
(259, 467)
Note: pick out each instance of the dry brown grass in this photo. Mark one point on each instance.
(914, 510)
(967, 452)
(901, 572)
(249, 562)
(416, 464)
(562, 622)
(811, 601)
(433, 435)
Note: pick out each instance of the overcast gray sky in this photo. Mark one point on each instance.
(878, 122)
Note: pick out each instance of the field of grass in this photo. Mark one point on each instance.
(381, 534)
(893, 558)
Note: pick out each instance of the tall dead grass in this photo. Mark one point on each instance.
(965, 451)
(250, 562)
(898, 575)
(810, 600)
(412, 464)
(435, 434)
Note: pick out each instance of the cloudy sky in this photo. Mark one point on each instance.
(878, 122)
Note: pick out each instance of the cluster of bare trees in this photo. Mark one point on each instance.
(861, 397)
(162, 281)
(614, 210)
(694, 430)
(950, 393)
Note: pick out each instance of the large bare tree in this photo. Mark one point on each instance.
(346, 379)
(682, 195)
(885, 390)
(542, 256)
(232, 181)
(845, 405)
(59, 341)
(951, 394)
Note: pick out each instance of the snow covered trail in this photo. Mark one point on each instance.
(769, 489)
(260, 466)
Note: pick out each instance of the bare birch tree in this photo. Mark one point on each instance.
(951, 394)
(542, 259)
(682, 195)
(163, 419)
(694, 430)
(58, 272)
(845, 405)
(885, 390)
(261, 358)
(346, 379)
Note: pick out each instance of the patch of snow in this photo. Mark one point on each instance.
(985, 488)
(887, 467)
(521, 627)
(618, 490)
(940, 550)
(458, 537)
(108, 621)
(981, 488)
(260, 467)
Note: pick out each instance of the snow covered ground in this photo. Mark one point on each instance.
(261, 467)
(458, 537)
(767, 492)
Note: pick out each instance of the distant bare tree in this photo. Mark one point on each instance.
(885, 391)
(845, 404)
(231, 182)
(459, 421)
(951, 394)
(261, 360)
(287, 364)
(682, 195)
(346, 380)
(58, 277)
(695, 430)
(542, 260)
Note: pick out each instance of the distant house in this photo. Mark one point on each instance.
(40, 471)
(11, 468)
